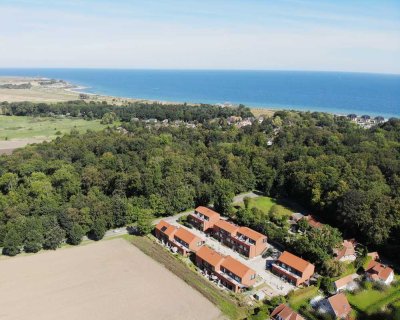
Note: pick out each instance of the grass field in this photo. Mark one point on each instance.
(228, 304)
(371, 301)
(301, 297)
(266, 203)
(15, 127)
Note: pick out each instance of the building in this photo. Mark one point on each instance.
(374, 256)
(294, 269)
(284, 312)
(178, 238)
(338, 306)
(314, 223)
(343, 283)
(203, 218)
(244, 240)
(228, 271)
(223, 231)
(379, 272)
(165, 231)
(347, 251)
(209, 260)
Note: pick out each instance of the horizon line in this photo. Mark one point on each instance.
(199, 69)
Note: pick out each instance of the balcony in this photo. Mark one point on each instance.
(285, 270)
(245, 240)
(199, 216)
(230, 279)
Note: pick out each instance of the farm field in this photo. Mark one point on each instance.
(16, 127)
(104, 280)
(18, 131)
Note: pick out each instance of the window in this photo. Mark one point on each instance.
(265, 240)
(253, 276)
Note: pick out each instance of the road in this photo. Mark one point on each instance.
(123, 230)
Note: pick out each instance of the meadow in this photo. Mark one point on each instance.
(16, 127)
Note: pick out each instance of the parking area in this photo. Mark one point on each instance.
(274, 284)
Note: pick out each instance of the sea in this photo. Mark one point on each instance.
(334, 92)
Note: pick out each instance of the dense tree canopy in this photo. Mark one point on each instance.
(84, 184)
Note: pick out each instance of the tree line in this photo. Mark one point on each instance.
(141, 110)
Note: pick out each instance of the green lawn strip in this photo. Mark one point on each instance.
(21, 127)
(266, 203)
(371, 301)
(229, 305)
(301, 297)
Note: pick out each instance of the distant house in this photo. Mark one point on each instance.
(292, 268)
(296, 217)
(343, 283)
(379, 119)
(228, 271)
(313, 222)
(338, 306)
(365, 118)
(374, 256)
(379, 272)
(246, 241)
(346, 252)
(233, 119)
(203, 218)
(352, 116)
(284, 312)
(180, 239)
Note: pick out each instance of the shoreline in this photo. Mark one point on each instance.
(64, 91)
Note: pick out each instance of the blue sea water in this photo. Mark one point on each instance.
(342, 93)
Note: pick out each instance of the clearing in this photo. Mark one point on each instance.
(18, 131)
(104, 280)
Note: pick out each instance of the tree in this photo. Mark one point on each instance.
(223, 196)
(33, 241)
(144, 222)
(99, 229)
(12, 242)
(75, 234)
(53, 237)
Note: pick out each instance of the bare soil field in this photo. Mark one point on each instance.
(105, 280)
(8, 146)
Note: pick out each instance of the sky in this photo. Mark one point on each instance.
(323, 35)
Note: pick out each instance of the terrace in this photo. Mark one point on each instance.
(287, 269)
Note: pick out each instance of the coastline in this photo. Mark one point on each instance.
(64, 91)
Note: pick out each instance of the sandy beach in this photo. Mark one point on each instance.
(100, 281)
(63, 91)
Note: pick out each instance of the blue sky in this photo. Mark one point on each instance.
(339, 35)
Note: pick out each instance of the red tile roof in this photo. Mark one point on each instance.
(347, 249)
(250, 233)
(285, 313)
(378, 271)
(207, 212)
(343, 281)
(225, 225)
(186, 235)
(340, 305)
(166, 228)
(313, 222)
(236, 267)
(294, 261)
(210, 256)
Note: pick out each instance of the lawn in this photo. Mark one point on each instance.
(229, 305)
(301, 297)
(370, 300)
(266, 203)
(20, 127)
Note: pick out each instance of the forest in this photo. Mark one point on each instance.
(84, 184)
